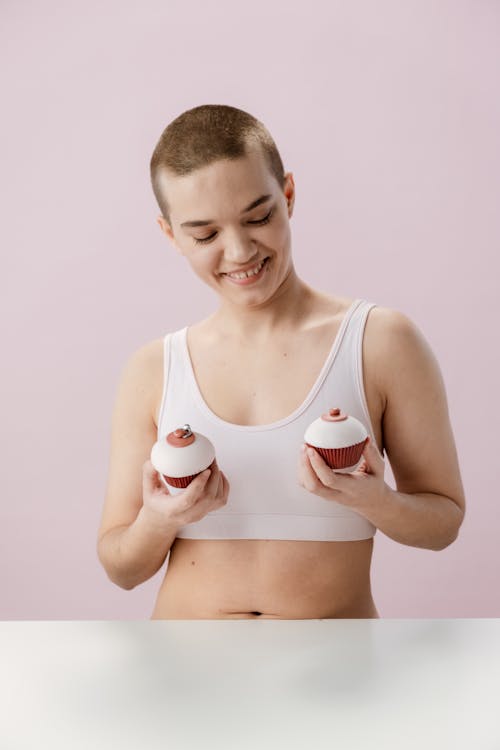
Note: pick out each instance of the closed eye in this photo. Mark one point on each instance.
(260, 222)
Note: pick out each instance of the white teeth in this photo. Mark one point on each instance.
(247, 274)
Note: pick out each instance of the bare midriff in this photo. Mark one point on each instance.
(252, 578)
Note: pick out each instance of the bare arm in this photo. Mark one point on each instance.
(133, 554)
(130, 546)
(428, 506)
(419, 519)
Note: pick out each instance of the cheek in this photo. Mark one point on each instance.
(201, 259)
(204, 269)
(278, 237)
(199, 265)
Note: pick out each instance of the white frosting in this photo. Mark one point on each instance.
(183, 461)
(324, 434)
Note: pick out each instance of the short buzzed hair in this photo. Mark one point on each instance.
(205, 134)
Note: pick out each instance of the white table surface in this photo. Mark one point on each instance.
(185, 684)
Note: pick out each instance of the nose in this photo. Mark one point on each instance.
(238, 249)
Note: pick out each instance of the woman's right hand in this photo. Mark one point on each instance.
(205, 493)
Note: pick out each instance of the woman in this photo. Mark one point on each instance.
(270, 531)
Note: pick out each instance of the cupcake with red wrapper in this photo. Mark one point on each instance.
(339, 439)
(180, 456)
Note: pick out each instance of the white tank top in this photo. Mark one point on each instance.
(265, 500)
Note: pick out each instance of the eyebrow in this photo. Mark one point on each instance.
(204, 222)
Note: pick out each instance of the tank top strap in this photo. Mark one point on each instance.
(353, 334)
(174, 372)
(356, 333)
(350, 335)
(346, 380)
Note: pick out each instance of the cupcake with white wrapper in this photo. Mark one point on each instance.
(339, 439)
(180, 456)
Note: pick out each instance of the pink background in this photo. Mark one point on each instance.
(388, 116)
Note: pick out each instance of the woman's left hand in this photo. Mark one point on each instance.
(364, 487)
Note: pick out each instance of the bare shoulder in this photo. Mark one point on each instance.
(403, 360)
(385, 320)
(154, 355)
(389, 319)
(148, 357)
(389, 336)
(145, 368)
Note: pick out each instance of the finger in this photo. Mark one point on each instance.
(326, 475)
(150, 478)
(199, 483)
(225, 485)
(213, 482)
(374, 461)
(308, 474)
(220, 484)
(195, 488)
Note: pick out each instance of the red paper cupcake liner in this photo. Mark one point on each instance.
(180, 481)
(341, 458)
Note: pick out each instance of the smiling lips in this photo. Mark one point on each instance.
(248, 274)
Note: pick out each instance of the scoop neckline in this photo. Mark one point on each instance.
(298, 411)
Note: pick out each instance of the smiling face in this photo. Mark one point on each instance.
(228, 217)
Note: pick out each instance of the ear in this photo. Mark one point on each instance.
(289, 190)
(165, 227)
(167, 230)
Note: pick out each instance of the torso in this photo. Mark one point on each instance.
(219, 579)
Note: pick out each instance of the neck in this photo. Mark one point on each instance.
(280, 313)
